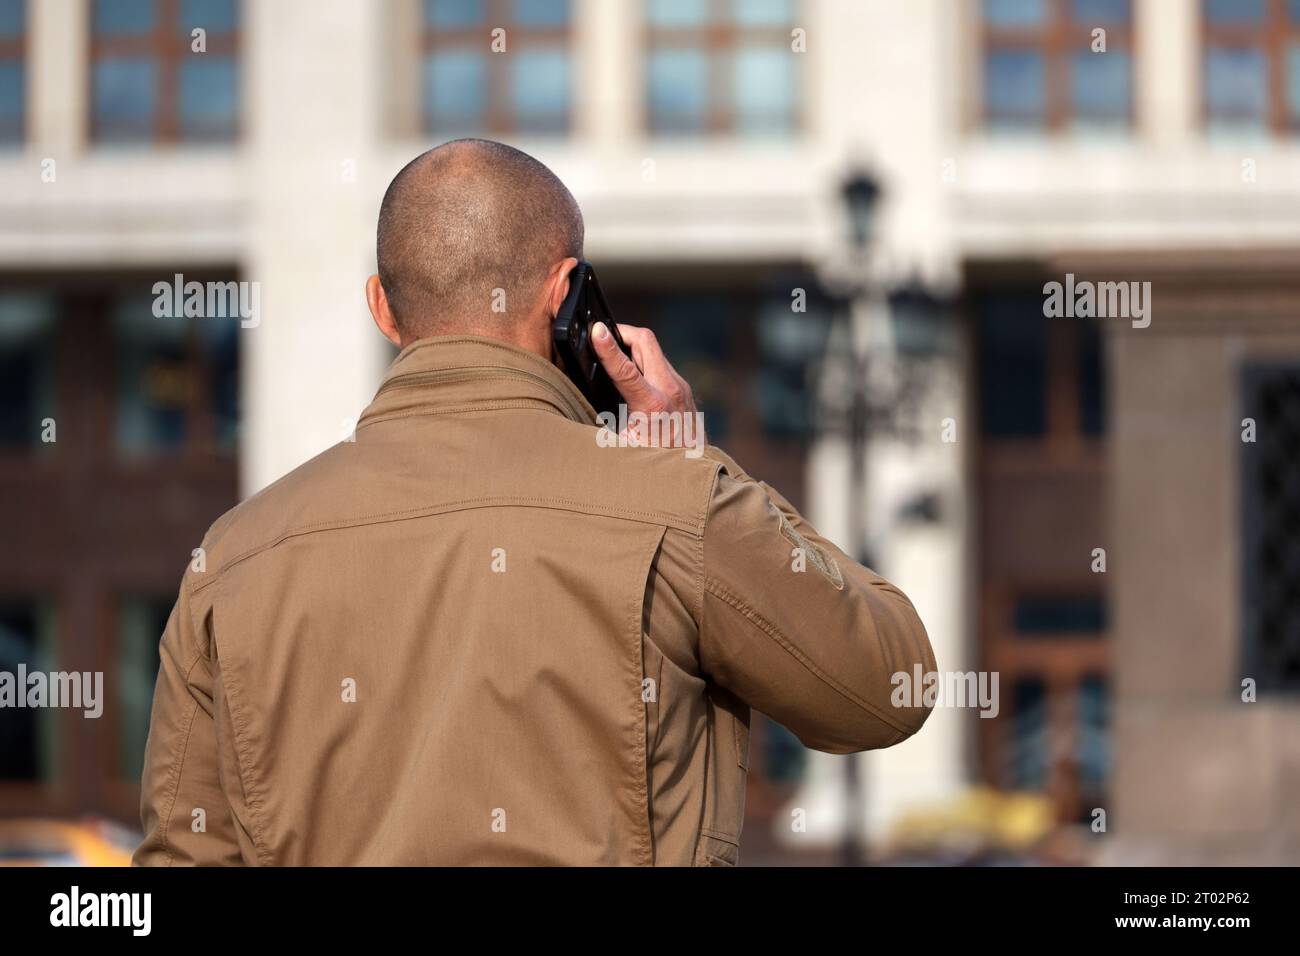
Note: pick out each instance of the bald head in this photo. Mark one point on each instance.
(466, 219)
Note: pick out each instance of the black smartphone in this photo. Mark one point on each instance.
(583, 307)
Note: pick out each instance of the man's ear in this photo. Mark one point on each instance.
(557, 285)
(380, 311)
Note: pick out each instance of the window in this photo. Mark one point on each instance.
(1053, 735)
(789, 343)
(1013, 366)
(140, 626)
(12, 87)
(105, 524)
(721, 66)
(1070, 754)
(496, 66)
(164, 70)
(697, 331)
(28, 743)
(749, 356)
(1049, 617)
(1092, 381)
(1251, 65)
(1270, 493)
(749, 360)
(177, 380)
(1045, 67)
(1039, 378)
(1027, 753)
(1044, 617)
(146, 457)
(27, 335)
(1092, 734)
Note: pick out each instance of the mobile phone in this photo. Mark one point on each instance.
(583, 307)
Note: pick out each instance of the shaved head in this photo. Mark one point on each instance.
(463, 220)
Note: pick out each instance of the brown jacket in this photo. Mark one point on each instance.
(476, 636)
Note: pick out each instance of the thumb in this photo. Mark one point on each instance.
(627, 377)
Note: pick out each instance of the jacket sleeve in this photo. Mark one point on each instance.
(798, 630)
(180, 766)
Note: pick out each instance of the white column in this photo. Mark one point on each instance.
(863, 52)
(1166, 70)
(57, 76)
(315, 359)
(607, 72)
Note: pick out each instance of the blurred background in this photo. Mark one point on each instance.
(838, 216)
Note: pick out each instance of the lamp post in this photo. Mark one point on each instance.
(861, 194)
(880, 385)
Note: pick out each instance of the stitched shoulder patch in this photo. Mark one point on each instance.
(819, 559)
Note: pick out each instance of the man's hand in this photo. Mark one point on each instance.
(651, 386)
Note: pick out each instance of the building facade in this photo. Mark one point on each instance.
(1015, 142)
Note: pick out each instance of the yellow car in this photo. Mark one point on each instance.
(89, 842)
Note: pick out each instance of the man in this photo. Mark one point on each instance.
(475, 634)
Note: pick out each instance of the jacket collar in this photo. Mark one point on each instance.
(454, 372)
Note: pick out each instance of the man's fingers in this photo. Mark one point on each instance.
(629, 380)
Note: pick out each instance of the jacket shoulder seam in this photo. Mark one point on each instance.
(485, 405)
(500, 501)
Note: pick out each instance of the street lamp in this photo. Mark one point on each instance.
(869, 402)
(861, 193)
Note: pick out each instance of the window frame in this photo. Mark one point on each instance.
(1064, 436)
(499, 116)
(1271, 36)
(15, 49)
(169, 48)
(719, 33)
(1056, 41)
(198, 410)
